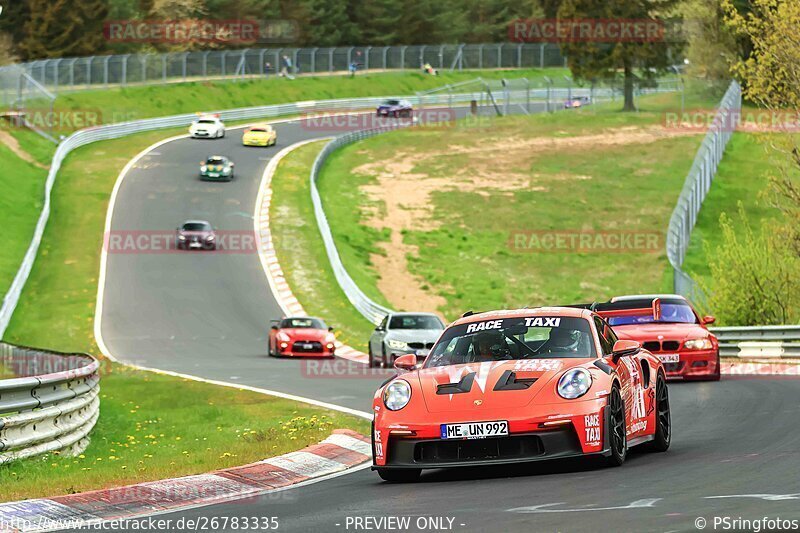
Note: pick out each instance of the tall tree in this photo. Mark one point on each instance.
(12, 22)
(60, 28)
(592, 57)
(770, 74)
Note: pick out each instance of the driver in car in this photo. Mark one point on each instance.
(563, 340)
(491, 346)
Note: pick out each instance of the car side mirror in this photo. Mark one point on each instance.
(233, 164)
(623, 348)
(708, 319)
(330, 328)
(406, 363)
(274, 326)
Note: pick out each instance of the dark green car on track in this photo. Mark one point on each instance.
(216, 168)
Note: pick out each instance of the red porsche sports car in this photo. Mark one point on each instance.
(669, 327)
(516, 386)
(301, 336)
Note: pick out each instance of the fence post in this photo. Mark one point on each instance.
(124, 80)
(105, 70)
(385, 54)
(143, 60)
(519, 55)
(72, 72)
(164, 68)
(421, 55)
(441, 57)
(541, 54)
(314, 59)
(56, 64)
(499, 55)
(330, 59)
(366, 57)
(549, 83)
(480, 56)
(403, 57)
(89, 70)
(205, 63)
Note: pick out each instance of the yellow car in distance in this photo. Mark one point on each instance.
(260, 135)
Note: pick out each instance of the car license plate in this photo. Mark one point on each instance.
(475, 430)
(213, 175)
(422, 353)
(670, 358)
(308, 346)
(195, 245)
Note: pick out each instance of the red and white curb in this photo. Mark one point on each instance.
(341, 451)
(269, 260)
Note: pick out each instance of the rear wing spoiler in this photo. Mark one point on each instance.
(620, 309)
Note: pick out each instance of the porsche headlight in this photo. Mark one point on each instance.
(574, 383)
(698, 344)
(397, 395)
(397, 345)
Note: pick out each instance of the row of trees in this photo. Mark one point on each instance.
(62, 28)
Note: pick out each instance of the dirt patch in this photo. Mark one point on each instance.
(401, 194)
(12, 143)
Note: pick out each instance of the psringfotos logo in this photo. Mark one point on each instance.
(585, 241)
(339, 368)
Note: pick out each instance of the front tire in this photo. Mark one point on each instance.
(405, 475)
(663, 434)
(617, 438)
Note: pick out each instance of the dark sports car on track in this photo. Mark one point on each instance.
(301, 336)
(395, 108)
(216, 168)
(517, 386)
(196, 235)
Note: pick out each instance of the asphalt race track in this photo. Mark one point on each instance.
(735, 450)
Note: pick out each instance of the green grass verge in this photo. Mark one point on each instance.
(743, 176)
(21, 197)
(301, 252)
(137, 102)
(143, 434)
(462, 239)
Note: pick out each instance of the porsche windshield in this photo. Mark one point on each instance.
(514, 338)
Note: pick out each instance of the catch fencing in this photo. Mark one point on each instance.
(49, 404)
(696, 187)
(94, 72)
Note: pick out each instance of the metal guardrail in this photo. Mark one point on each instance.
(51, 405)
(92, 72)
(696, 187)
(759, 341)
